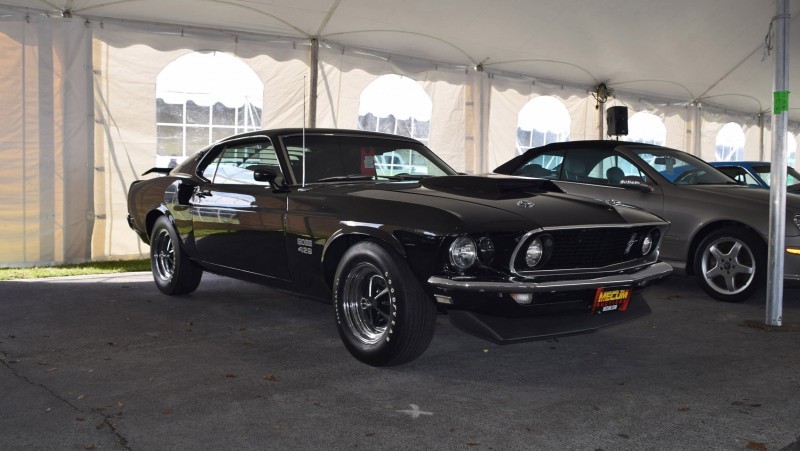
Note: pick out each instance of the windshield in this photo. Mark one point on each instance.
(763, 171)
(335, 158)
(680, 168)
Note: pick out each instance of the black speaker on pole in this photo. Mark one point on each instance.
(617, 120)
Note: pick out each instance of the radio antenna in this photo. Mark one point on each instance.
(304, 132)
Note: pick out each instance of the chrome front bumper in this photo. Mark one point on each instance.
(651, 273)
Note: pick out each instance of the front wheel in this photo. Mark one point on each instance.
(730, 264)
(173, 272)
(383, 316)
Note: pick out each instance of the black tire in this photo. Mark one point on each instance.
(383, 316)
(173, 272)
(730, 264)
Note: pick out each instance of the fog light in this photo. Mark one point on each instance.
(522, 298)
(793, 250)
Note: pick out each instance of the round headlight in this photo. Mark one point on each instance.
(463, 252)
(649, 241)
(534, 253)
(647, 244)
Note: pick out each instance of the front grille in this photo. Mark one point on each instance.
(588, 248)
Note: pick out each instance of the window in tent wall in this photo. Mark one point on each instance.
(730, 143)
(541, 121)
(201, 98)
(645, 127)
(396, 105)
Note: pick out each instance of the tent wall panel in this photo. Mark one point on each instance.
(509, 95)
(46, 215)
(344, 75)
(127, 62)
(79, 125)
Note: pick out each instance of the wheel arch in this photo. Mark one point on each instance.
(343, 240)
(711, 227)
(152, 216)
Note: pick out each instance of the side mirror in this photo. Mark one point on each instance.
(265, 173)
(635, 182)
(270, 176)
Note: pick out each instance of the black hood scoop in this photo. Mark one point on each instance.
(492, 187)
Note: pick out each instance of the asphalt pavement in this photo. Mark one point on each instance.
(108, 362)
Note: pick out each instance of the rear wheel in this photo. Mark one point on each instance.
(730, 264)
(173, 272)
(383, 316)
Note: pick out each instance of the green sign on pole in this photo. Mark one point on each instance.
(780, 102)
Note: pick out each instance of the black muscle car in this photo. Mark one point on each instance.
(387, 231)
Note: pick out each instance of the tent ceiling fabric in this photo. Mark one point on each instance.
(682, 50)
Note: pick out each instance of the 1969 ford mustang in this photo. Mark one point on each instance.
(387, 231)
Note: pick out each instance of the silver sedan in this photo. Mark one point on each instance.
(718, 229)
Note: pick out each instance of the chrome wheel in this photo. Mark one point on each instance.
(366, 303)
(728, 265)
(163, 255)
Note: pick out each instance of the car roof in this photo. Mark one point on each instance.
(737, 163)
(317, 131)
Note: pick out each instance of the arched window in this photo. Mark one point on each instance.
(644, 127)
(397, 105)
(201, 98)
(791, 150)
(541, 121)
(730, 143)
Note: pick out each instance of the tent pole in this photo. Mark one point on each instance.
(777, 194)
(314, 70)
(601, 112)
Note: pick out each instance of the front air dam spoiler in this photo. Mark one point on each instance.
(507, 330)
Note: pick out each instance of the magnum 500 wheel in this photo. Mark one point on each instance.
(383, 316)
(173, 272)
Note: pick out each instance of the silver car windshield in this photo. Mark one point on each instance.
(680, 168)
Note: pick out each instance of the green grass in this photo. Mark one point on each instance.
(105, 267)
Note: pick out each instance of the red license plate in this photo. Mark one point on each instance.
(611, 299)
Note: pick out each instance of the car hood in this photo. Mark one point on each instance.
(515, 202)
(736, 195)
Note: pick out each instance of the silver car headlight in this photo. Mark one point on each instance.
(649, 241)
(463, 252)
(534, 253)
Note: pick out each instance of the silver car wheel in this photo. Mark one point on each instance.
(366, 303)
(728, 265)
(164, 255)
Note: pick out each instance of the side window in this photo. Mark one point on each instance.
(237, 164)
(738, 174)
(545, 165)
(612, 169)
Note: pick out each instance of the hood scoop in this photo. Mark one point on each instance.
(492, 187)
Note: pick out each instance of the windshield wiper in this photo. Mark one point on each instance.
(346, 178)
(402, 177)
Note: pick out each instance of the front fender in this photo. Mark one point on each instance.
(417, 248)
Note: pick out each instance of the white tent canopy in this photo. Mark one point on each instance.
(710, 51)
(80, 79)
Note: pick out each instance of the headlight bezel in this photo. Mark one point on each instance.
(545, 244)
